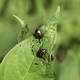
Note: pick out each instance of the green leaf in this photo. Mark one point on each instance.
(21, 64)
(18, 61)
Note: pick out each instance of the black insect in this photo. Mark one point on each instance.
(38, 34)
(41, 53)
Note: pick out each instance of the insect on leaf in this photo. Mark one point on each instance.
(21, 64)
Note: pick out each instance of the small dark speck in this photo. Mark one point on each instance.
(36, 63)
(52, 58)
(33, 51)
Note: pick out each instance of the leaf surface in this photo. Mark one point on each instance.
(21, 64)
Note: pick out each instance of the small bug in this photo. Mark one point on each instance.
(38, 34)
(41, 52)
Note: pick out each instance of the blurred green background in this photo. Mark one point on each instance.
(36, 12)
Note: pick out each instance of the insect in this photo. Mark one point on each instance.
(38, 34)
(41, 52)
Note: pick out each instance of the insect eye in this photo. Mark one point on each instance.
(41, 52)
(38, 34)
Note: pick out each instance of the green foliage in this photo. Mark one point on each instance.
(22, 9)
(21, 62)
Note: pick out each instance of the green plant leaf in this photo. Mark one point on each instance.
(21, 64)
